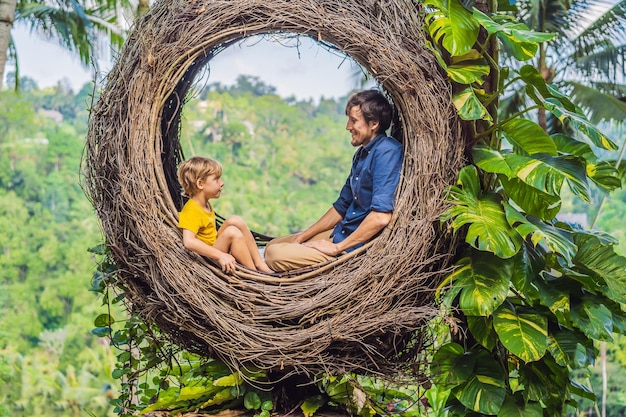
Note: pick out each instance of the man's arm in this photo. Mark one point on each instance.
(373, 223)
(326, 222)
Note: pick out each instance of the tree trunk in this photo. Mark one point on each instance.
(7, 16)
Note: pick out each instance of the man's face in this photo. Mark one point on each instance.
(361, 132)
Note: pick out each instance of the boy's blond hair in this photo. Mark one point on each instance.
(194, 169)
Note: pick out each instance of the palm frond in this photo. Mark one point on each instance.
(602, 61)
(599, 106)
(605, 20)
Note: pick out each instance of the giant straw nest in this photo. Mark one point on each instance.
(363, 312)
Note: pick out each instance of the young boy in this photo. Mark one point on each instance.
(201, 179)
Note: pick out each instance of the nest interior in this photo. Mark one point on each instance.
(360, 313)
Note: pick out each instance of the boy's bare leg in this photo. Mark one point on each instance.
(231, 240)
(240, 224)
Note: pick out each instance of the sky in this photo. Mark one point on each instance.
(308, 71)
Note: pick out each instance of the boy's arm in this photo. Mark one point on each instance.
(225, 260)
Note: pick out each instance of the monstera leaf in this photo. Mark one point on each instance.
(455, 28)
(519, 39)
(543, 172)
(488, 228)
(524, 334)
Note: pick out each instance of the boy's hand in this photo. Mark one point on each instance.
(227, 263)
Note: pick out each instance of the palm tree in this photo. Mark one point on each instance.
(75, 24)
(586, 58)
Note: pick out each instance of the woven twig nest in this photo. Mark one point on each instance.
(359, 313)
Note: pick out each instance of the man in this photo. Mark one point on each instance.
(366, 201)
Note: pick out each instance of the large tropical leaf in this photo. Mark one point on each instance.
(532, 201)
(468, 74)
(488, 229)
(481, 328)
(556, 239)
(548, 97)
(554, 294)
(601, 172)
(450, 366)
(485, 390)
(484, 281)
(567, 347)
(543, 172)
(528, 136)
(455, 29)
(601, 259)
(593, 318)
(520, 40)
(544, 380)
(469, 106)
(512, 408)
(523, 334)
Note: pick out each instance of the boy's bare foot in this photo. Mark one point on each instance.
(262, 266)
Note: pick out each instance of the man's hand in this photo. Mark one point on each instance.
(324, 246)
(227, 263)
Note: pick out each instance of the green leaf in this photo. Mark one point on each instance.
(467, 74)
(252, 401)
(557, 240)
(523, 334)
(469, 106)
(450, 366)
(455, 27)
(484, 280)
(312, 404)
(557, 300)
(521, 41)
(510, 408)
(482, 329)
(543, 172)
(567, 348)
(488, 229)
(220, 397)
(531, 200)
(529, 136)
(104, 320)
(602, 173)
(231, 380)
(601, 259)
(593, 318)
(550, 98)
(484, 392)
(101, 331)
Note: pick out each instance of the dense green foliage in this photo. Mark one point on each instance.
(532, 293)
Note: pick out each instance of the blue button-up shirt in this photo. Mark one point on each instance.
(371, 185)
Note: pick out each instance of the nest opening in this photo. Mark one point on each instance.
(360, 313)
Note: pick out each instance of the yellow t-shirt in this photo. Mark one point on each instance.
(194, 218)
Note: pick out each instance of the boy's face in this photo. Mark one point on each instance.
(211, 186)
(361, 132)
